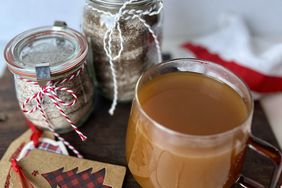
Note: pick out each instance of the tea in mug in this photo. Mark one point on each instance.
(185, 104)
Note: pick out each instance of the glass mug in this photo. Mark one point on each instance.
(159, 157)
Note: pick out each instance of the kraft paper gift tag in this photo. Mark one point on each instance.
(4, 173)
(21, 146)
(48, 170)
(18, 144)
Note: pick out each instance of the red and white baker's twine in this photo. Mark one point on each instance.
(50, 90)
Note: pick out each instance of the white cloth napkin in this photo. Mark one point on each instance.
(259, 59)
(233, 42)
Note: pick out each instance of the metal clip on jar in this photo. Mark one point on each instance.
(54, 83)
(112, 28)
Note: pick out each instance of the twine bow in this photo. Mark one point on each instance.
(50, 90)
(126, 14)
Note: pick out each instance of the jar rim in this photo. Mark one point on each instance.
(245, 93)
(12, 50)
(118, 3)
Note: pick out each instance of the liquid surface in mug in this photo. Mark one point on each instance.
(193, 104)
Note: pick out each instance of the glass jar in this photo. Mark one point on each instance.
(124, 33)
(52, 77)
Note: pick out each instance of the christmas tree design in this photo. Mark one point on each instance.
(72, 179)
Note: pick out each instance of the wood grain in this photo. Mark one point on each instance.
(106, 134)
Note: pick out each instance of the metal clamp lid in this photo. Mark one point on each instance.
(58, 23)
(65, 50)
(43, 73)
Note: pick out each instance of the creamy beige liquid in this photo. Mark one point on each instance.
(193, 104)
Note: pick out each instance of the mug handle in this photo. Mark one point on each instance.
(267, 150)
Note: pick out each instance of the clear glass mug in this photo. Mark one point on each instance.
(159, 157)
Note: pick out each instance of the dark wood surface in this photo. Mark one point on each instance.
(106, 134)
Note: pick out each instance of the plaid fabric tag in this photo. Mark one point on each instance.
(72, 179)
(49, 147)
(46, 147)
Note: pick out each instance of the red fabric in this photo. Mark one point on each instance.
(256, 81)
(36, 133)
(18, 170)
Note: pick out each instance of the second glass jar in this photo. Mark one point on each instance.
(139, 49)
(53, 79)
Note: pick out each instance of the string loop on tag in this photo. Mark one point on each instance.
(18, 170)
(35, 135)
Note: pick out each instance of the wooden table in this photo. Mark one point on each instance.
(106, 134)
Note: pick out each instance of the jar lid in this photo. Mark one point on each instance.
(59, 46)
